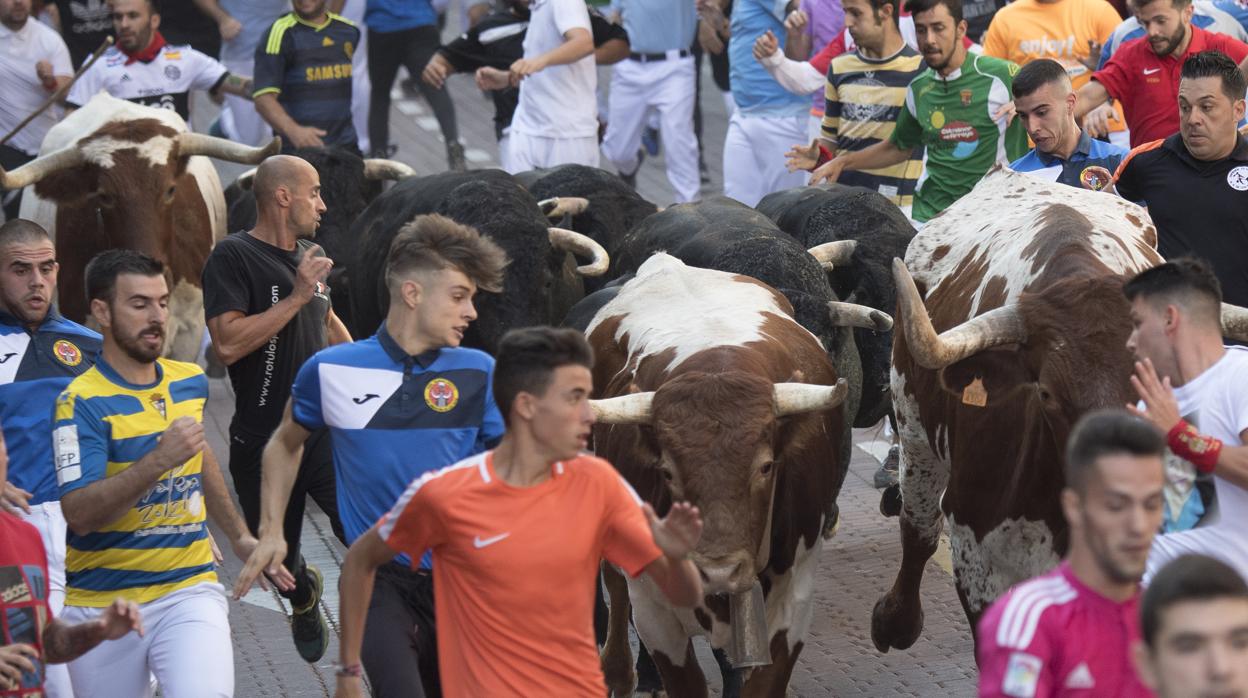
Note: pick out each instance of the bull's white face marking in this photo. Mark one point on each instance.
(672, 306)
(155, 151)
(1016, 549)
(102, 109)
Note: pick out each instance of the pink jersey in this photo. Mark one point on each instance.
(1053, 636)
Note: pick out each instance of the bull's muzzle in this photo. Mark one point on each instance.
(729, 574)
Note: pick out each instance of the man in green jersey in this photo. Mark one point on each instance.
(952, 108)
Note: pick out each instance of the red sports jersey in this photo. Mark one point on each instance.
(1053, 636)
(24, 610)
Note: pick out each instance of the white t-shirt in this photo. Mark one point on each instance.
(164, 82)
(559, 101)
(22, 92)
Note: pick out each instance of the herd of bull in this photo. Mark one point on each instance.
(736, 348)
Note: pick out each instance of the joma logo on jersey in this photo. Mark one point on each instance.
(441, 395)
(328, 72)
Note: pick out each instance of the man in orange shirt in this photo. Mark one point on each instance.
(517, 534)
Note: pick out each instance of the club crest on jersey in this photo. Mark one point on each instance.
(966, 97)
(67, 352)
(172, 72)
(441, 395)
(158, 404)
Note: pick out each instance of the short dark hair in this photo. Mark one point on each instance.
(434, 242)
(105, 267)
(1037, 74)
(1187, 578)
(1133, 6)
(1186, 281)
(20, 231)
(1104, 433)
(914, 7)
(878, 5)
(1215, 64)
(528, 357)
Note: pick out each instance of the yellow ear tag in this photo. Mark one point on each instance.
(974, 394)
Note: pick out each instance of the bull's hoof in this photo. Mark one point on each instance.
(831, 522)
(894, 625)
(890, 501)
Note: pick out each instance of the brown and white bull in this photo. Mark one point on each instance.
(120, 175)
(715, 395)
(1022, 279)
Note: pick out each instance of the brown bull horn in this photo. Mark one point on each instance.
(797, 398)
(1235, 322)
(993, 328)
(560, 206)
(625, 409)
(210, 146)
(854, 315)
(584, 245)
(381, 168)
(37, 169)
(832, 254)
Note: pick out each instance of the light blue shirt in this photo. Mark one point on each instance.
(658, 26)
(753, 89)
(256, 16)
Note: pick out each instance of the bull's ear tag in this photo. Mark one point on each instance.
(974, 394)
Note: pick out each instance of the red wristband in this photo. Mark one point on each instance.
(350, 670)
(1192, 446)
(824, 155)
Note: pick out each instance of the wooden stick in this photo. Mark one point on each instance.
(60, 93)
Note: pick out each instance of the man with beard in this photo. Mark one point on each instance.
(136, 478)
(1144, 74)
(1072, 630)
(955, 108)
(268, 310)
(1192, 387)
(40, 353)
(143, 68)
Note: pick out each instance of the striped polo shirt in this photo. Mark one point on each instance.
(160, 545)
(863, 98)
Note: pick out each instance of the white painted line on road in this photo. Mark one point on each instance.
(878, 450)
(408, 107)
(397, 93)
(319, 549)
(476, 155)
(428, 123)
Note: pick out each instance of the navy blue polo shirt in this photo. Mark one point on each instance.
(1088, 153)
(394, 417)
(35, 367)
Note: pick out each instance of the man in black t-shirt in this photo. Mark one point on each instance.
(1195, 183)
(268, 310)
(84, 24)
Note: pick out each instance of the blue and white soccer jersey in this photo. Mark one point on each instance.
(394, 417)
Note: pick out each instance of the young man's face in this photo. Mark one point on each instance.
(1201, 650)
(939, 36)
(28, 280)
(1047, 114)
(136, 318)
(309, 9)
(865, 25)
(1151, 337)
(445, 306)
(1118, 513)
(1207, 117)
(133, 23)
(1165, 24)
(561, 418)
(14, 13)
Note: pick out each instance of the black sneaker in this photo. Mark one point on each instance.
(455, 161)
(308, 625)
(631, 178)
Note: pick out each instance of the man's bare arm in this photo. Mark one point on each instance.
(1089, 97)
(236, 85)
(335, 331)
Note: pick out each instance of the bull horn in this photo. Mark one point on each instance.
(797, 398)
(560, 206)
(996, 327)
(35, 170)
(832, 254)
(854, 315)
(381, 168)
(1235, 322)
(584, 245)
(246, 179)
(221, 149)
(625, 409)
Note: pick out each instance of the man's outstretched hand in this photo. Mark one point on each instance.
(676, 534)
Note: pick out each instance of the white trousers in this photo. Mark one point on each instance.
(525, 152)
(668, 88)
(239, 119)
(361, 87)
(754, 162)
(47, 517)
(187, 647)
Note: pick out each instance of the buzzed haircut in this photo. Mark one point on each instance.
(433, 242)
(105, 267)
(1037, 74)
(20, 231)
(527, 359)
(1187, 578)
(914, 7)
(1188, 282)
(1108, 432)
(1215, 64)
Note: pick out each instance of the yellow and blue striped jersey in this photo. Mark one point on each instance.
(103, 426)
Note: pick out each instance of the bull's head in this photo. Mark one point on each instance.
(721, 441)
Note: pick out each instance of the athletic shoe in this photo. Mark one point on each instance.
(650, 139)
(455, 161)
(308, 625)
(631, 178)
